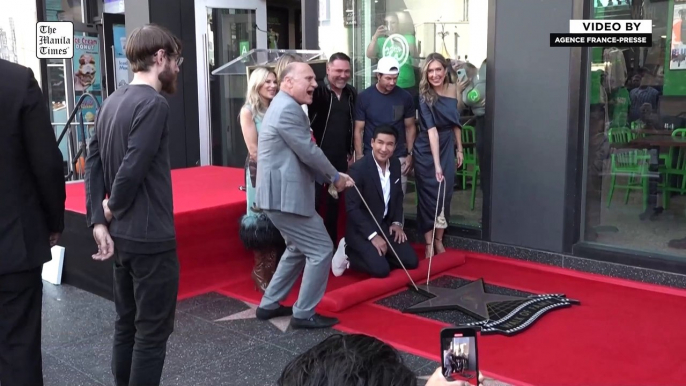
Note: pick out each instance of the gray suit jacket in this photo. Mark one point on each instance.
(287, 160)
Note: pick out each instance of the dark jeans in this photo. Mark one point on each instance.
(145, 290)
(332, 205)
(21, 301)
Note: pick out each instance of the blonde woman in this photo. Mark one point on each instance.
(435, 157)
(256, 231)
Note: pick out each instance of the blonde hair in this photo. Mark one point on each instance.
(284, 61)
(253, 101)
(426, 91)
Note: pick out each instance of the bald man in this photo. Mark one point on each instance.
(288, 163)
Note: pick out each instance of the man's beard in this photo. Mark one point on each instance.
(168, 79)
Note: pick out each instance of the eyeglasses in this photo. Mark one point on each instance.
(179, 59)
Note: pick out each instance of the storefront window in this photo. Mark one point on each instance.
(636, 146)
(410, 30)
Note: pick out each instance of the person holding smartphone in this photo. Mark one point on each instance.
(391, 40)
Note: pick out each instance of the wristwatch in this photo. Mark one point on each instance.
(410, 153)
(398, 224)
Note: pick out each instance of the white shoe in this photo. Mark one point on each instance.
(340, 261)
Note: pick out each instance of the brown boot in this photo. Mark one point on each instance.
(265, 266)
(269, 262)
(258, 272)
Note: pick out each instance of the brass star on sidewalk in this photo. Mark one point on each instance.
(470, 299)
(281, 322)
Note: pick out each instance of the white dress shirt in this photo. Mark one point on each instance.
(385, 177)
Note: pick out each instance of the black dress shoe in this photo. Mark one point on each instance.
(265, 314)
(314, 321)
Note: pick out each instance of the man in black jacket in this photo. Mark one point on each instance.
(331, 120)
(32, 196)
(378, 179)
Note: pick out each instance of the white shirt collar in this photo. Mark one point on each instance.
(381, 170)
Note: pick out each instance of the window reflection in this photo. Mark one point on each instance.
(636, 163)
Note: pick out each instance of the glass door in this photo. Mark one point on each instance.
(225, 30)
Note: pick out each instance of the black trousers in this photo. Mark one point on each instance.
(364, 257)
(332, 205)
(21, 302)
(145, 290)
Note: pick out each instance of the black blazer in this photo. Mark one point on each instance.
(32, 189)
(360, 225)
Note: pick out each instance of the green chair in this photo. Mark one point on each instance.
(672, 168)
(630, 163)
(470, 165)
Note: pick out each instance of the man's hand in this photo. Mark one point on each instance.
(105, 244)
(398, 233)
(54, 238)
(407, 166)
(380, 245)
(344, 182)
(351, 160)
(106, 209)
(437, 379)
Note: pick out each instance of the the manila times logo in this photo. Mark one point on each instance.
(605, 33)
(55, 40)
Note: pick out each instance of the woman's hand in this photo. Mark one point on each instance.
(463, 85)
(460, 158)
(439, 173)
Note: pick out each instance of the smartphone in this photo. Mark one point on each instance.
(461, 74)
(459, 357)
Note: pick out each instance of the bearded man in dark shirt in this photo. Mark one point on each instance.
(129, 205)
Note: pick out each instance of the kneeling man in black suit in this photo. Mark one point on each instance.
(377, 177)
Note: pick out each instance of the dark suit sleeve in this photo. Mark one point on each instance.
(144, 142)
(95, 184)
(45, 158)
(357, 211)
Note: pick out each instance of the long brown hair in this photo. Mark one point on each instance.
(426, 91)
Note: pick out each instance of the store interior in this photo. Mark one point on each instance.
(636, 175)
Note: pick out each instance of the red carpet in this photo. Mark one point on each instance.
(352, 288)
(208, 206)
(207, 209)
(623, 333)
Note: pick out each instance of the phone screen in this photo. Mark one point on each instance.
(461, 74)
(458, 355)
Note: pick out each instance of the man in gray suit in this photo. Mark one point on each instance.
(287, 164)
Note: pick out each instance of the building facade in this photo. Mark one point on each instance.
(554, 183)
